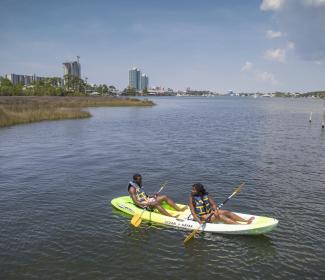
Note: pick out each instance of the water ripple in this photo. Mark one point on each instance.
(57, 179)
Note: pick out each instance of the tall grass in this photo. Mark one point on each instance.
(23, 109)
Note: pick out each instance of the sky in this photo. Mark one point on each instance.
(218, 45)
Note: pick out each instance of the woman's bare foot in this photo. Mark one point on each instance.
(251, 219)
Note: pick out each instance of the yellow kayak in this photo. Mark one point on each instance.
(260, 224)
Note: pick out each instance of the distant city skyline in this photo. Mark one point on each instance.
(247, 46)
(72, 68)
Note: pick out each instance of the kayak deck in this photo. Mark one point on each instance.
(260, 224)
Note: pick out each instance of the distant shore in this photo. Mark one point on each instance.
(27, 109)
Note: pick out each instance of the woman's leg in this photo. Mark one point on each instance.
(226, 220)
(220, 218)
(162, 210)
(235, 217)
(169, 201)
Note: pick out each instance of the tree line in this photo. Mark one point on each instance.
(69, 86)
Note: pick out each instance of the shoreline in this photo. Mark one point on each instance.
(16, 110)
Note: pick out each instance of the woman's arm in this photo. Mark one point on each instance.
(195, 216)
(213, 204)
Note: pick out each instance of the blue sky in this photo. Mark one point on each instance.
(253, 45)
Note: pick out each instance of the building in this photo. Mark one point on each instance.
(72, 69)
(21, 79)
(144, 83)
(231, 93)
(135, 78)
(27, 80)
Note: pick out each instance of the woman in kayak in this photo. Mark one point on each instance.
(141, 199)
(202, 204)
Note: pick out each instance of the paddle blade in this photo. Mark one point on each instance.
(136, 220)
(191, 235)
(238, 189)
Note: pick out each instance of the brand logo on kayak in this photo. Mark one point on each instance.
(185, 225)
(125, 207)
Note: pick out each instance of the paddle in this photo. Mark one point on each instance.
(136, 219)
(192, 234)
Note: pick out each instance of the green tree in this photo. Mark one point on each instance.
(5, 82)
(130, 91)
(74, 84)
(112, 90)
(105, 89)
(7, 87)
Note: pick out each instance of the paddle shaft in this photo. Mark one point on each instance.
(212, 213)
(147, 199)
(226, 200)
(220, 205)
(161, 188)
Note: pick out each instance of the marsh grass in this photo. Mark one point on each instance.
(26, 109)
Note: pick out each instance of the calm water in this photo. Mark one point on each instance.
(57, 179)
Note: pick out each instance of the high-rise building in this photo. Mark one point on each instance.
(26, 80)
(72, 68)
(144, 84)
(135, 78)
(137, 81)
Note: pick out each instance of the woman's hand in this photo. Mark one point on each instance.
(152, 201)
(145, 203)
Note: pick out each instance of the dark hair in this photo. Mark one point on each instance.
(135, 176)
(199, 189)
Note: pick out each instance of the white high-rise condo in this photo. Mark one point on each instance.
(144, 82)
(27, 80)
(135, 78)
(138, 81)
(72, 68)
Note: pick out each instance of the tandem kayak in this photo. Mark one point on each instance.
(260, 225)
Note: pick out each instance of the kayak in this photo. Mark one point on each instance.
(260, 224)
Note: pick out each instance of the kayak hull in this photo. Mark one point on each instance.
(260, 225)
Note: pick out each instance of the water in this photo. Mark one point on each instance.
(57, 179)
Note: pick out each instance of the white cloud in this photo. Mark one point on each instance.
(303, 23)
(266, 77)
(247, 66)
(272, 5)
(270, 34)
(276, 55)
(258, 75)
(290, 45)
(314, 3)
